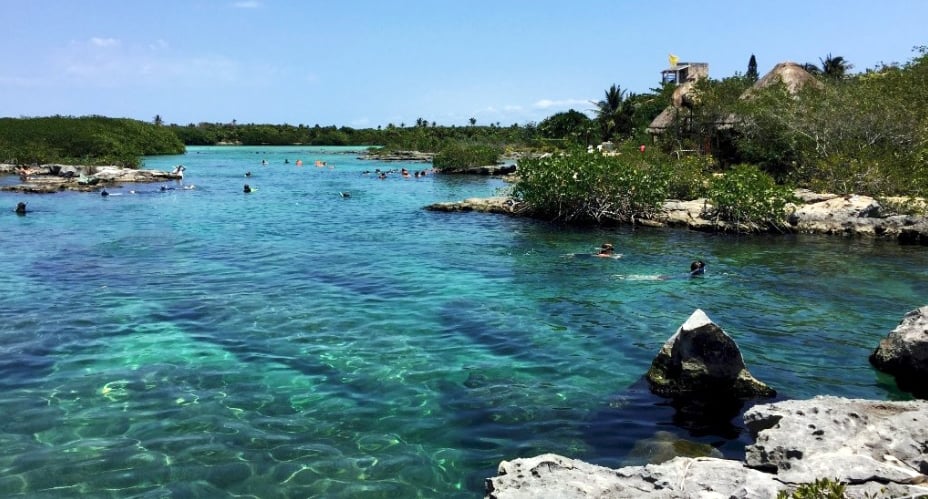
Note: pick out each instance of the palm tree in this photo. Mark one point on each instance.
(834, 67)
(614, 113)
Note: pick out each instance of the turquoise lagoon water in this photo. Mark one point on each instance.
(296, 343)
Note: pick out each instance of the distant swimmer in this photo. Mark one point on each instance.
(607, 250)
(299, 162)
(21, 208)
(104, 193)
(264, 162)
(246, 189)
(345, 194)
(698, 267)
(247, 174)
(286, 161)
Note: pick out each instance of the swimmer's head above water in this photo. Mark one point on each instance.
(698, 267)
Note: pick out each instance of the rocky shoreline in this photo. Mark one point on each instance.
(52, 178)
(876, 449)
(817, 213)
(873, 449)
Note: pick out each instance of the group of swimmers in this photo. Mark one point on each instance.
(607, 250)
(382, 174)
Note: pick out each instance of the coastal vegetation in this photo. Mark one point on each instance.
(742, 142)
(89, 140)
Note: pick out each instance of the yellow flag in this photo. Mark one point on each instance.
(673, 60)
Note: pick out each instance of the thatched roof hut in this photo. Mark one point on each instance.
(793, 75)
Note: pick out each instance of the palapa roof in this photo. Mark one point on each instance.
(791, 74)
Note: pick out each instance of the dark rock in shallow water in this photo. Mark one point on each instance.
(702, 362)
(904, 353)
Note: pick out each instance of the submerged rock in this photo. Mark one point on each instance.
(904, 353)
(701, 361)
(664, 446)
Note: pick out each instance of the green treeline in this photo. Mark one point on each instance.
(864, 133)
(89, 140)
(741, 146)
(423, 136)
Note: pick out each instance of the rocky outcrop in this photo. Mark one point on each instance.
(504, 169)
(702, 361)
(502, 205)
(54, 178)
(411, 156)
(878, 449)
(550, 475)
(904, 353)
(816, 213)
(868, 444)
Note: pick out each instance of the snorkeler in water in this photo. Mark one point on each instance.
(698, 267)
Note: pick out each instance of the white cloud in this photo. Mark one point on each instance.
(104, 42)
(548, 103)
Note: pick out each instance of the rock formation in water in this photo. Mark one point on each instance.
(878, 449)
(701, 361)
(904, 353)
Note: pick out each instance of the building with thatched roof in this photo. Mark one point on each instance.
(685, 75)
(793, 75)
(790, 74)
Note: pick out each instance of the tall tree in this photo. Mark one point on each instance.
(835, 67)
(614, 113)
(751, 75)
(158, 121)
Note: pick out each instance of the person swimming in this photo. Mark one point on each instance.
(607, 250)
(698, 267)
(104, 193)
(246, 189)
(21, 208)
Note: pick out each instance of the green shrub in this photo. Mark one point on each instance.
(458, 155)
(90, 140)
(690, 177)
(583, 186)
(749, 198)
(820, 489)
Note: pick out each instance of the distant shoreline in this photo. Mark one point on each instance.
(818, 213)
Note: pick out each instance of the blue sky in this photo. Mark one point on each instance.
(364, 63)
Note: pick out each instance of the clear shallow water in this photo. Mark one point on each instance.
(295, 343)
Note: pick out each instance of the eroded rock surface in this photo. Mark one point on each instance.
(701, 360)
(904, 353)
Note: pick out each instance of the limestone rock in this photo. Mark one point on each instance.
(482, 170)
(851, 440)
(904, 353)
(551, 475)
(700, 360)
